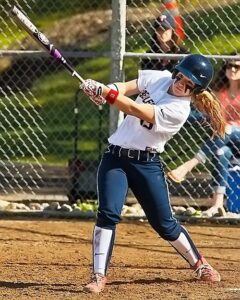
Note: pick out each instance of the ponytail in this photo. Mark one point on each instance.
(207, 103)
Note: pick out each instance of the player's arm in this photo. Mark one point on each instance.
(129, 107)
(128, 88)
(97, 92)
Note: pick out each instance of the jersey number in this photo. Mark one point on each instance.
(146, 99)
(145, 124)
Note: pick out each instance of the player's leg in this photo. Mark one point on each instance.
(112, 189)
(149, 185)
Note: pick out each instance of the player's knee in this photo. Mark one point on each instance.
(107, 221)
(170, 233)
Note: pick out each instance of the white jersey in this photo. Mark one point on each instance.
(171, 113)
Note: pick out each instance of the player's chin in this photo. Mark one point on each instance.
(180, 92)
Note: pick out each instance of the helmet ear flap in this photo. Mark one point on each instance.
(197, 90)
(174, 73)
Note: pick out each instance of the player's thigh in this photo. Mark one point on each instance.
(148, 183)
(112, 185)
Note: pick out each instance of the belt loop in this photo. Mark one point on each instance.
(129, 154)
(108, 148)
(153, 156)
(139, 152)
(119, 152)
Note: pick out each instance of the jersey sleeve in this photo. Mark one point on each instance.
(143, 79)
(147, 78)
(170, 118)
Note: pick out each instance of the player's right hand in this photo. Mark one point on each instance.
(93, 89)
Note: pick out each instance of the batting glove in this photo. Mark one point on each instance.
(93, 89)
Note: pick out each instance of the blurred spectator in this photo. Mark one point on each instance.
(227, 88)
(164, 40)
(171, 6)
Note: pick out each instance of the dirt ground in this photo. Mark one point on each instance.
(51, 259)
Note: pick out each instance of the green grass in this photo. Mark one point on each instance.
(56, 94)
(215, 32)
(57, 8)
(43, 14)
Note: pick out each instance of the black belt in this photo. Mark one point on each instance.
(132, 153)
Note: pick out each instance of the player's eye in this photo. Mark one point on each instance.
(189, 84)
(179, 77)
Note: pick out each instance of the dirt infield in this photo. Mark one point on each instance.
(50, 259)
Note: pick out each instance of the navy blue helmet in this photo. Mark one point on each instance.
(197, 68)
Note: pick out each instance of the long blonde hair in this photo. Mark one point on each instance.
(207, 103)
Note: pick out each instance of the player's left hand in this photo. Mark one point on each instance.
(93, 89)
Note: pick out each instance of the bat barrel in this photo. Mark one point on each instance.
(42, 40)
(21, 18)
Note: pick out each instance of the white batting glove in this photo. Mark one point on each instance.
(93, 89)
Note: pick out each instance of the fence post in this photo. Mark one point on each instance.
(118, 36)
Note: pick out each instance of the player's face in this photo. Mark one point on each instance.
(164, 36)
(182, 86)
(233, 70)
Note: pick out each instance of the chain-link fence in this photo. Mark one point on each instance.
(51, 136)
(50, 133)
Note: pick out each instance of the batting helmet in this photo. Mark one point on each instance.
(197, 68)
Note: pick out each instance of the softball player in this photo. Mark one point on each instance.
(132, 157)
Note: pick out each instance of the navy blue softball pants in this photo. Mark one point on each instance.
(143, 173)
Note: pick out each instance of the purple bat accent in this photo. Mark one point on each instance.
(56, 54)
